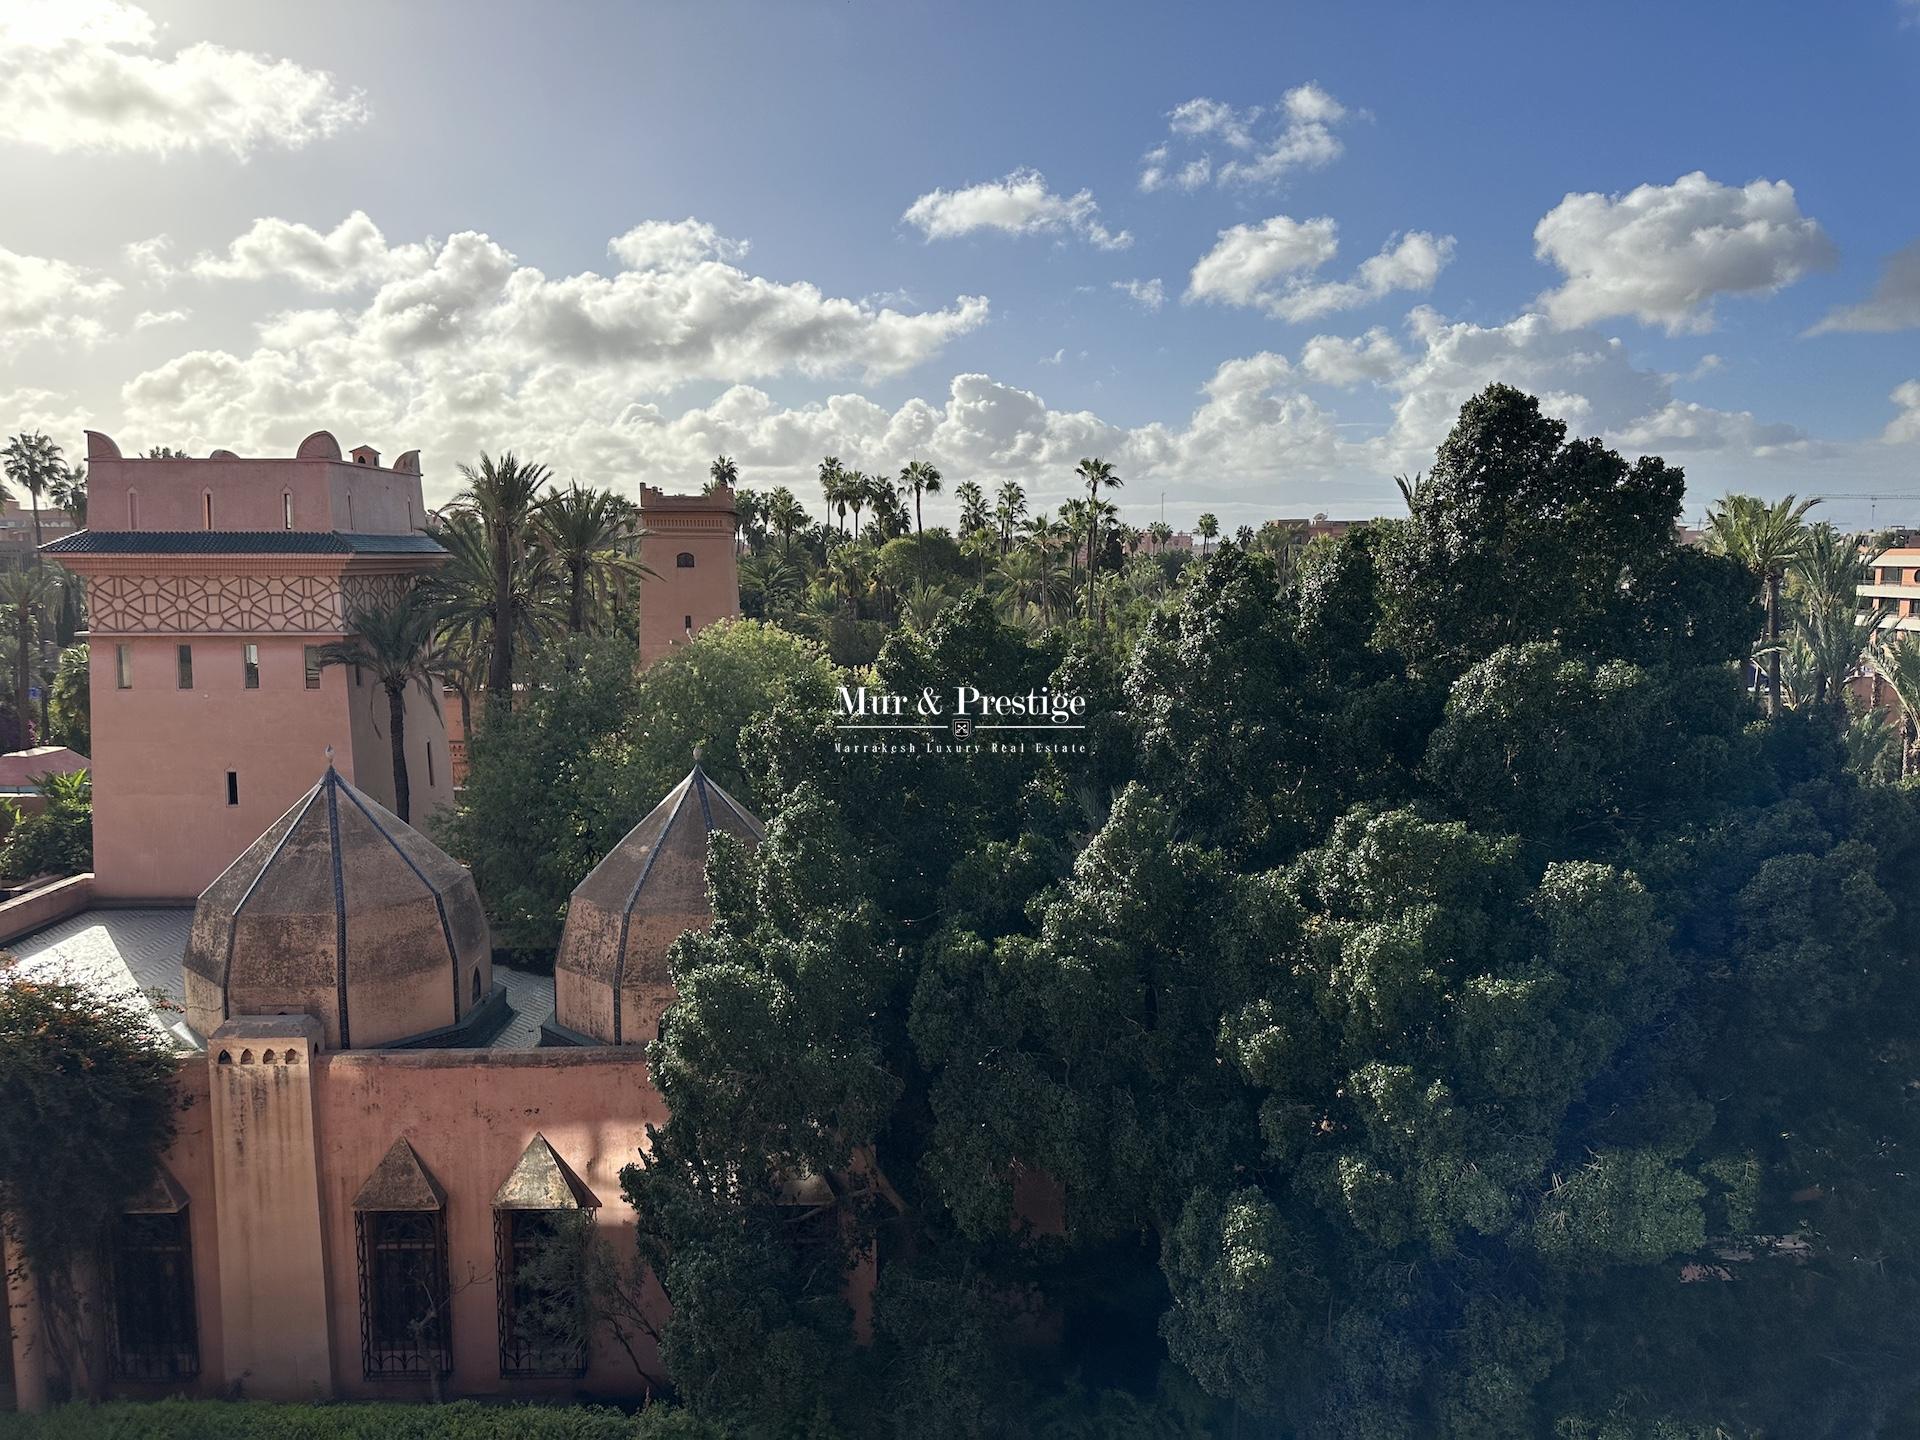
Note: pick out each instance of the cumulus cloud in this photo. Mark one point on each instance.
(353, 254)
(148, 319)
(1896, 299)
(1262, 144)
(1270, 266)
(467, 346)
(1662, 253)
(1342, 360)
(1147, 294)
(91, 75)
(1020, 204)
(1904, 428)
(42, 299)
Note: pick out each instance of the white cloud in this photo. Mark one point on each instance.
(1269, 266)
(43, 299)
(1896, 299)
(1246, 259)
(147, 259)
(664, 244)
(469, 347)
(1904, 428)
(148, 319)
(1058, 357)
(1147, 294)
(1263, 145)
(1661, 253)
(1020, 204)
(90, 75)
(1339, 360)
(353, 254)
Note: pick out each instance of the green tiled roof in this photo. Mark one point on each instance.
(238, 542)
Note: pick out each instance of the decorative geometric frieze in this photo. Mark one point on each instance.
(230, 604)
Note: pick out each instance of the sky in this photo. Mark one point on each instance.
(1254, 255)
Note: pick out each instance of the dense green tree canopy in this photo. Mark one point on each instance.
(1439, 1002)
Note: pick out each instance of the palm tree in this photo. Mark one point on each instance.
(24, 597)
(1096, 473)
(1162, 534)
(502, 495)
(770, 584)
(859, 494)
(1899, 664)
(464, 592)
(833, 486)
(588, 534)
(69, 492)
(1830, 635)
(33, 462)
(786, 515)
(1009, 509)
(1766, 539)
(1208, 526)
(722, 472)
(922, 478)
(973, 507)
(396, 643)
(1410, 489)
(889, 509)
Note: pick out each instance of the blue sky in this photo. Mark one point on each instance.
(234, 224)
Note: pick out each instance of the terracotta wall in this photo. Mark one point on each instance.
(469, 1115)
(250, 494)
(700, 526)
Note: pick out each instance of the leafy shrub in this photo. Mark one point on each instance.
(258, 1420)
(57, 841)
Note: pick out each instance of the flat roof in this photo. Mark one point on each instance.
(239, 542)
(142, 952)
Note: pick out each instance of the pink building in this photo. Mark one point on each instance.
(212, 585)
(375, 1146)
(690, 548)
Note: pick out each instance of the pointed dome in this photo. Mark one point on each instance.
(343, 912)
(610, 981)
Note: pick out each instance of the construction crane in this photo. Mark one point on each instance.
(1873, 499)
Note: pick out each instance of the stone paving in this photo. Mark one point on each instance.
(140, 951)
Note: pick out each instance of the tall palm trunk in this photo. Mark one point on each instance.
(917, 526)
(34, 496)
(577, 594)
(1773, 638)
(22, 662)
(397, 733)
(500, 660)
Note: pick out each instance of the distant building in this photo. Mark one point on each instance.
(690, 548)
(212, 585)
(16, 531)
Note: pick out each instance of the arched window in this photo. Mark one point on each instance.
(684, 560)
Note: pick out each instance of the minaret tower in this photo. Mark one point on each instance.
(212, 585)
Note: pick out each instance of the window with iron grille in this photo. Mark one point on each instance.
(539, 1272)
(404, 1328)
(155, 1335)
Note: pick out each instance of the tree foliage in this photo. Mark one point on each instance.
(1439, 1001)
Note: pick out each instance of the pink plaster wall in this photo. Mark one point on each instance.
(469, 1115)
(373, 750)
(161, 755)
(249, 494)
(701, 526)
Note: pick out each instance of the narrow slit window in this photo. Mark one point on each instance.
(313, 667)
(183, 659)
(430, 780)
(233, 787)
(250, 660)
(133, 509)
(286, 508)
(123, 667)
(206, 501)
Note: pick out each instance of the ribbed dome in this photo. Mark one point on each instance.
(343, 912)
(610, 976)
